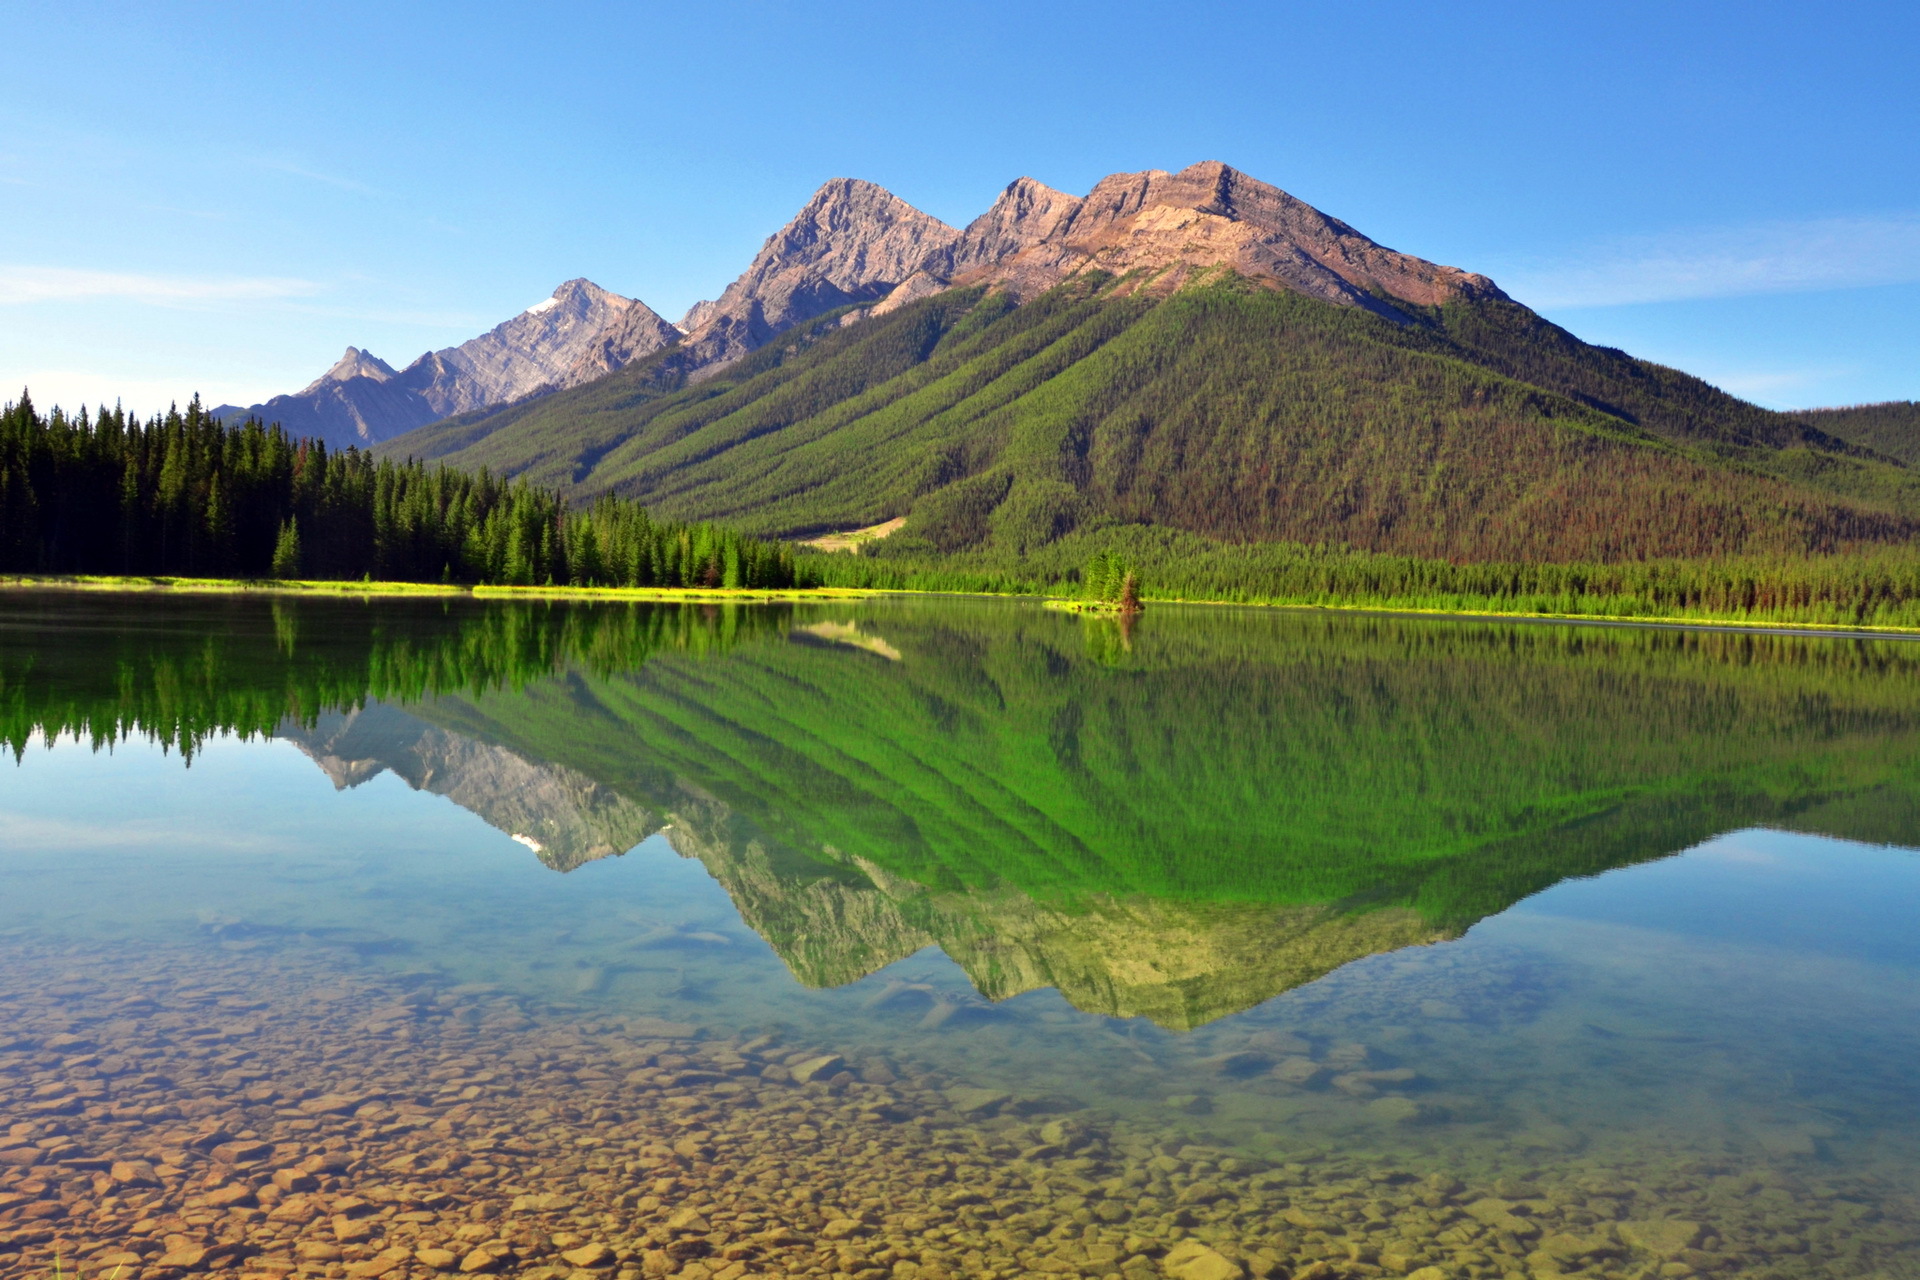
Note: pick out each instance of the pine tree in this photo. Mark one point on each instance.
(286, 550)
(183, 493)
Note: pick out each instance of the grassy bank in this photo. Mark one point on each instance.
(851, 578)
(1873, 590)
(365, 587)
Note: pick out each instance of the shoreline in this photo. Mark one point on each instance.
(801, 595)
(367, 589)
(1825, 630)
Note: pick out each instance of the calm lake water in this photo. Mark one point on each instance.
(927, 938)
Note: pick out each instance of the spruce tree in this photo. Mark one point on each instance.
(185, 494)
(286, 550)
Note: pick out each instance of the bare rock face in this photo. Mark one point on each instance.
(1027, 214)
(581, 333)
(853, 242)
(698, 314)
(1171, 227)
(636, 334)
(1164, 230)
(354, 364)
(536, 350)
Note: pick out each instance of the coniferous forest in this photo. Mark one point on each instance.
(183, 494)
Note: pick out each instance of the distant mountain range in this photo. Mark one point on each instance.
(856, 243)
(1197, 351)
(578, 334)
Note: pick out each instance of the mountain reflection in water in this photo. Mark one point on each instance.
(1176, 823)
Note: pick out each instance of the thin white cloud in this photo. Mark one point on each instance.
(22, 284)
(1774, 257)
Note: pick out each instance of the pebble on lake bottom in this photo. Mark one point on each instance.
(186, 1112)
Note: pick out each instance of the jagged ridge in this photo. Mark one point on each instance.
(579, 333)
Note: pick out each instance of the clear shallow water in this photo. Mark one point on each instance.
(1330, 946)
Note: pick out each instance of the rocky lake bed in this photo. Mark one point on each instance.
(232, 1110)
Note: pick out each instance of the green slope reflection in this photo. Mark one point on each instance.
(1177, 822)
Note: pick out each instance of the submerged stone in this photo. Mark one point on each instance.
(1663, 1236)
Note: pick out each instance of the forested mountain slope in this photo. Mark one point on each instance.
(1194, 351)
(1472, 429)
(1892, 428)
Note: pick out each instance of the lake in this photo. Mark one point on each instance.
(922, 938)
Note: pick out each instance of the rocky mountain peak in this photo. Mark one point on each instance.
(1166, 227)
(354, 364)
(639, 332)
(581, 287)
(851, 242)
(578, 333)
(854, 243)
(852, 228)
(1026, 213)
(533, 351)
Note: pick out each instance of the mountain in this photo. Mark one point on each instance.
(1180, 964)
(1195, 352)
(853, 242)
(1164, 228)
(580, 333)
(356, 402)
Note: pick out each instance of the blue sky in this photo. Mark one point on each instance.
(222, 196)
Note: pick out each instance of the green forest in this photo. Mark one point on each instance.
(183, 494)
(1871, 587)
(189, 668)
(1891, 428)
(1476, 432)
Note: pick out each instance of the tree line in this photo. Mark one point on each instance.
(200, 666)
(1873, 586)
(184, 494)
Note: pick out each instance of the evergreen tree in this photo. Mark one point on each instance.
(286, 550)
(185, 494)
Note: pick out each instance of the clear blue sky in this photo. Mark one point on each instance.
(223, 196)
